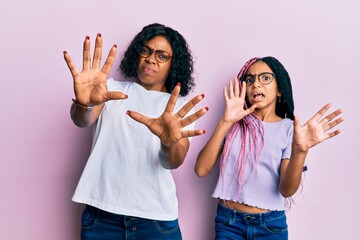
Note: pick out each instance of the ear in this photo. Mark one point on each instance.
(279, 94)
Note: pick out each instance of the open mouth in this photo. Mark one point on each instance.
(258, 96)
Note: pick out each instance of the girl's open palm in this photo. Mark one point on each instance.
(90, 84)
(168, 127)
(316, 129)
(235, 102)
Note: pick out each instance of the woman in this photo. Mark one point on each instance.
(127, 185)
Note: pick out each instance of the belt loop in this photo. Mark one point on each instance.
(233, 217)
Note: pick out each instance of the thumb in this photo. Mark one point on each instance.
(110, 95)
(139, 117)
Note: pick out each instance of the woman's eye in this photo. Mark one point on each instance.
(163, 57)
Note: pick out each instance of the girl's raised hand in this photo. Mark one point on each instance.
(90, 84)
(316, 129)
(168, 127)
(235, 102)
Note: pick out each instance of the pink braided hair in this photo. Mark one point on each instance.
(250, 125)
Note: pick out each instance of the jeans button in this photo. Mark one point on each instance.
(248, 218)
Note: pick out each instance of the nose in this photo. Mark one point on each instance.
(151, 58)
(257, 82)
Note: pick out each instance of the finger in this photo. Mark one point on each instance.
(86, 54)
(71, 65)
(97, 52)
(173, 98)
(189, 105)
(251, 109)
(109, 60)
(296, 123)
(192, 133)
(243, 90)
(114, 96)
(231, 89)
(331, 116)
(226, 96)
(332, 124)
(321, 112)
(193, 117)
(237, 87)
(332, 134)
(139, 118)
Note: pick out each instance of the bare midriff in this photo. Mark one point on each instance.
(240, 207)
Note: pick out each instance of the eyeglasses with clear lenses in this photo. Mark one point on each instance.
(264, 78)
(161, 56)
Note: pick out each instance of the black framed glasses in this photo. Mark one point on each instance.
(161, 56)
(264, 78)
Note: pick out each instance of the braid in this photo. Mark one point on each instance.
(250, 129)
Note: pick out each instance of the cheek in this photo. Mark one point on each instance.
(165, 70)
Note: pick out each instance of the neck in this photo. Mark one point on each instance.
(152, 87)
(267, 115)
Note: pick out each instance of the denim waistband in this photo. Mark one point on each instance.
(102, 213)
(249, 218)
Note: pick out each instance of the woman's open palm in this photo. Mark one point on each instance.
(168, 127)
(90, 84)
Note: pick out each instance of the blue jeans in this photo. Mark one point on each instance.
(231, 224)
(98, 224)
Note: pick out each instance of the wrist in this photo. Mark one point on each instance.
(84, 108)
(298, 149)
(225, 123)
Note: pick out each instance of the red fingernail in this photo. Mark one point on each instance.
(126, 96)
(178, 84)
(115, 46)
(127, 112)
(87, 37)
(99, 34)
(206, 108)
(204, 131)
(64, 52)
(202, 95)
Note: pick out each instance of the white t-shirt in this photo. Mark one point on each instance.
(123, 174)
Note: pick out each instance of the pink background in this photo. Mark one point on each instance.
(42, 152)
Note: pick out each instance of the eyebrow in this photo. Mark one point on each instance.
(248, 74)
(158, 50)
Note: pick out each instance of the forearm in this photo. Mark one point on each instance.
(209, 154)
(173, 156)
(84, 118)
(290, 178)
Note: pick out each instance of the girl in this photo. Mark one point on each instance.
(262, 159)
(127, 185)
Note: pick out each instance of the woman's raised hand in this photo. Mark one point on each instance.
(316, 129)
(168, 127)
(235, 102)
(90, 84)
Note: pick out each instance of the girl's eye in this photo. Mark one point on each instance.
(249, 80)
(265, 77)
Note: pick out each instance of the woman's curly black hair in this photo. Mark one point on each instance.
(182, 61)
(285, 104)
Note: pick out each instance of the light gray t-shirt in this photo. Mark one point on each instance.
(123, 174)
(260, 186)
